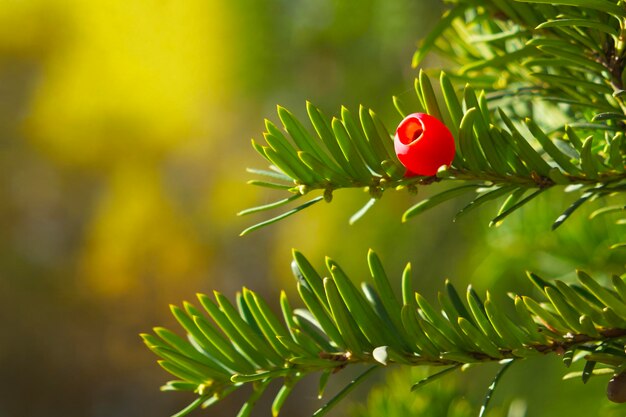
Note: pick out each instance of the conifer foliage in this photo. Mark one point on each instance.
(535, 101)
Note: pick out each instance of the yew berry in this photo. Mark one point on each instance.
(423, 144)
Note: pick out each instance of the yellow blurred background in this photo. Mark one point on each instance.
(125, 131)
(125, 137)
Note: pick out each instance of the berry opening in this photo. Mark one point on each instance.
(413, 130)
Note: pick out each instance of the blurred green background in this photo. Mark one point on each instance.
(125, 137)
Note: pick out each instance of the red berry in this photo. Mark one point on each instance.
(423, 144)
